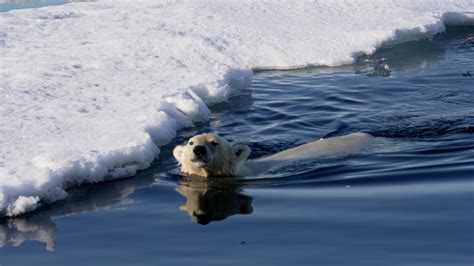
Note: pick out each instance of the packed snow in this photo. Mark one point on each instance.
(90, 91)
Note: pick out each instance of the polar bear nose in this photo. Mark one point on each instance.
(199, 150)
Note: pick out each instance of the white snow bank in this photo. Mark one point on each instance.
(89, 91)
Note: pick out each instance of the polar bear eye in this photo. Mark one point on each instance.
(214, 143)
(191, 143)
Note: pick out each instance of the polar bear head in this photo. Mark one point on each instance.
(209, 155)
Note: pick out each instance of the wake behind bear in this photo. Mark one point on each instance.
(208, 155)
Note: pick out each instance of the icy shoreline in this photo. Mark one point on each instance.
(90, 91)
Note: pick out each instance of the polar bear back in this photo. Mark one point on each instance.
(322, 147)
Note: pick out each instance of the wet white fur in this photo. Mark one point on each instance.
(223, 159)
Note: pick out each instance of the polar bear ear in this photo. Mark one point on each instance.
(178, 153)
(241, 152)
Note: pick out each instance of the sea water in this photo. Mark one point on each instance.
(7, 5)
(407, 199)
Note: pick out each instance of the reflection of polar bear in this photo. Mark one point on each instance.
(206, 203)
(209, 155)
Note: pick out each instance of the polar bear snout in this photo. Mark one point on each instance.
(200, 151)
(201, 155)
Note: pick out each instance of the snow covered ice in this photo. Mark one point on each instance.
(90, 91)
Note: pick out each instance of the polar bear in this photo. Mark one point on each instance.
(208, 155)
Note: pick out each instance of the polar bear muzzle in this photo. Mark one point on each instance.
(200, 151)
(201, 155)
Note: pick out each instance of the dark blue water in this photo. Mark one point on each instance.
(7, 5)
(406, 200)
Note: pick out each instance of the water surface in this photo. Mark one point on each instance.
(7, 5)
